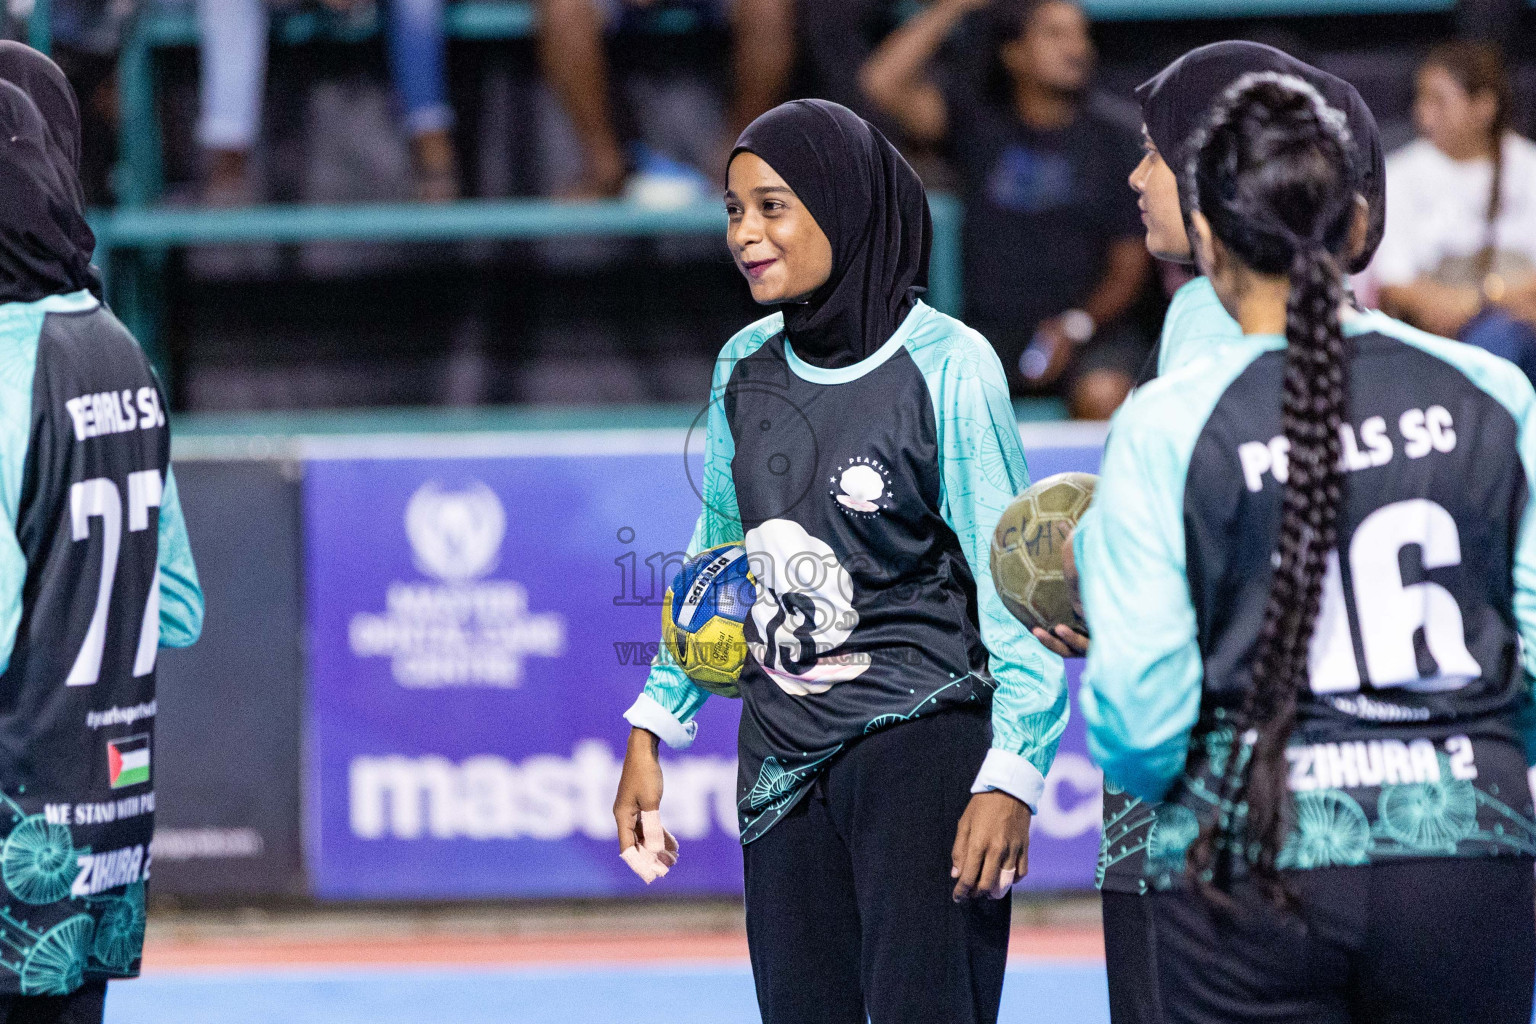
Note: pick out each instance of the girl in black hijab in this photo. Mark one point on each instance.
(897, 722)
(872, 207)
(45, 243)
(49, 90)
(1175, 104)
(1172, 104)
(84, 440)
(45, 85)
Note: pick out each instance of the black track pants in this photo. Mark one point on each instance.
(1130, 958)
(1444, 940)
(82, 1006)
(848, 896)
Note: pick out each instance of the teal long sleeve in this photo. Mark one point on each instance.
(670, 700)
(982, 469)
(1142, 684)
(181, 596)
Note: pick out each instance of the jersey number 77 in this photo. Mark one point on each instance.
(100, 497)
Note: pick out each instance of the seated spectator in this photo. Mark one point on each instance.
(571, 50)
(234, 61)
(1459, 254)
(1054, 258)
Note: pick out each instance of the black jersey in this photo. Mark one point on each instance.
(865, 498)
(94, 572)
(1409, 741)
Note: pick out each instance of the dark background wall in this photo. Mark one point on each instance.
(230, 723)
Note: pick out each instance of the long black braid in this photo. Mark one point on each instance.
(1273, 174)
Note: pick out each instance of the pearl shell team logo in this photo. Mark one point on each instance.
(861, 487)
(461, 629)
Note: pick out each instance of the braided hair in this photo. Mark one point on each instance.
(1273, 173)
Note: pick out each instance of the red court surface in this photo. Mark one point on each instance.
(173, 954)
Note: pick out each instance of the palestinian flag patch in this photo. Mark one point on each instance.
(128, 761)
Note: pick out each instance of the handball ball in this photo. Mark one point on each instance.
(704, 614)
(1027, 549)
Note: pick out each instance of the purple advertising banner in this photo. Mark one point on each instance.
(477, 625)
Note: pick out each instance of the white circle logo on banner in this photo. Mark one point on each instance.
(456, 535)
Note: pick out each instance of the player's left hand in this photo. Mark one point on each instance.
(1064, 640)
(991, 849)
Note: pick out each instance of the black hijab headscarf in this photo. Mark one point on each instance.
(45, 244)
(49, 90)
(1176, 102)
(872, 208)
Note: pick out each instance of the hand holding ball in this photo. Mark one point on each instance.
(1031, 552)
(704, 614)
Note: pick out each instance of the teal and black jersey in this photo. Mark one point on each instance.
(1195, 326)
(865, 498)
(95, 574)
(1411, 740)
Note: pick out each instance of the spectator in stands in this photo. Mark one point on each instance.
(571, 49)
(234, 58)
(836, 40)
(87, 35)
(1459, 254)
(1054, 258)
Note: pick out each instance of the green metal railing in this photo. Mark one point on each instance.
(134, 239)
(132, 243)
(40, 26)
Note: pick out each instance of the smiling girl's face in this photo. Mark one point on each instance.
(778, 246)
(1158, 190)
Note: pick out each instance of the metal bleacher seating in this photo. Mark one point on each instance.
(134, 238)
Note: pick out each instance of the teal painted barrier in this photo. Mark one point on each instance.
(241, 435)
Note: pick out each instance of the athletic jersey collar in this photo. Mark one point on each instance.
(1362, 322)
(81, 301)
(843, 374)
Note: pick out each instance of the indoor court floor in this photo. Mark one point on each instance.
(1055, 975)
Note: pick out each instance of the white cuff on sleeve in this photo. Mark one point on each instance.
(1012, 774)
(647, 713)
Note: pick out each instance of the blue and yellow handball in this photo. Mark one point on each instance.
(704, 617)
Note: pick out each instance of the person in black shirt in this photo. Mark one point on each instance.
(1053, 242)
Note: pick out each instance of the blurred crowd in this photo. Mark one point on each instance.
(993, 99)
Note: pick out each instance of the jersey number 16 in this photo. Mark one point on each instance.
(1389, 612)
